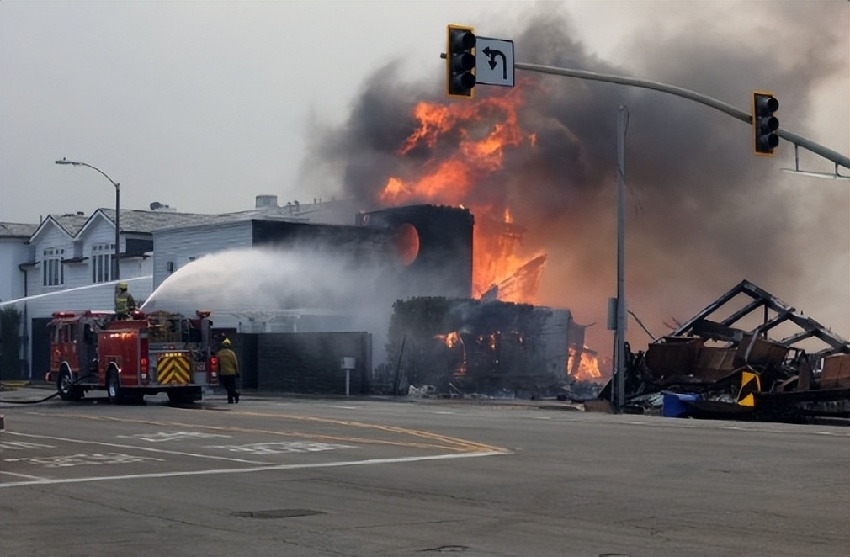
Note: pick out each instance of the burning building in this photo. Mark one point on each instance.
(299, 278)
(536, 165)
(475, 347)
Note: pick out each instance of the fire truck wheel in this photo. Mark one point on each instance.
(175, 397)
(113, 388)
(67, 389)
(183, 397)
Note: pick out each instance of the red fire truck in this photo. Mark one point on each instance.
(148, 353)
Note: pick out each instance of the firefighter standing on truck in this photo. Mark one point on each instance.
(124, 301)
(228, 371)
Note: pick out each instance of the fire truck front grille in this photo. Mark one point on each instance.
(173, 369)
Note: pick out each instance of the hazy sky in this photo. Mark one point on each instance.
(204, 105)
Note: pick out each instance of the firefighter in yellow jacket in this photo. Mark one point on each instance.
(228, 370)
(125, 304)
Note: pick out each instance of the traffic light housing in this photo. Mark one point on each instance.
(460, 61)
(765, 124)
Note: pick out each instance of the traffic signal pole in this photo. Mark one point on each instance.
(797, 140)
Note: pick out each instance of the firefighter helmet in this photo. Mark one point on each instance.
(225, 342)
(122, 286)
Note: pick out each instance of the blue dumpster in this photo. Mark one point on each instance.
(675, 405)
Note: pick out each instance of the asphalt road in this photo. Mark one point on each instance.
(283, 476)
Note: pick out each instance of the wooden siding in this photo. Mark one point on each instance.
(179, 245)
(13, 252)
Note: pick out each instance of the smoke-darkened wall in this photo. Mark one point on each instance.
(433, 245)
(354, 241)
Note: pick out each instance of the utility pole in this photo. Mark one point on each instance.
(620, 335)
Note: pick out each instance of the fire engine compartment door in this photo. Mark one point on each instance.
(200, 369)
(173, 368)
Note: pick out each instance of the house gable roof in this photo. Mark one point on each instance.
(91, 222)
(16, 230)
(146, 222)
(70, 225)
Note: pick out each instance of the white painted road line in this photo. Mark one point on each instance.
(21, 475)
(134, 447)
(371, 461)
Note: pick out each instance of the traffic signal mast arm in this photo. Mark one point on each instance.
(797, 140)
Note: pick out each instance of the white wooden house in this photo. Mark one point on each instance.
(65, 261)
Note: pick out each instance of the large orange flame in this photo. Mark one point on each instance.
(451, 340)
(586, 368)
(482, 131)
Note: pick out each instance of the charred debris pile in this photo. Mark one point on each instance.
(477, 348)
(765, 360)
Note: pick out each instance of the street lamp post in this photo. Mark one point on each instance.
(116, 265)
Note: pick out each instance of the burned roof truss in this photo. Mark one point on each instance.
(724, 330)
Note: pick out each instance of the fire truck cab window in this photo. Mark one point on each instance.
(194, 335)
(65, 333)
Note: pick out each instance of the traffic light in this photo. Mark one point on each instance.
(765, 123)
(460, 61)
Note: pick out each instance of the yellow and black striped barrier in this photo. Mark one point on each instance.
(173, 369)
(750, 384)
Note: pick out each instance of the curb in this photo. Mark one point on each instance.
(13, 385)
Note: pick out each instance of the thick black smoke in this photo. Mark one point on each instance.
(703, 211)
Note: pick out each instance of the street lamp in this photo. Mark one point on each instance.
(116, 266)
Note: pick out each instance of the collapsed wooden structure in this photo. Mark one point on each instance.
(736, 364)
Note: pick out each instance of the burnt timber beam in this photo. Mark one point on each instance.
(771, 323)
(717, 331)
(821, 332)
(802, 335)
(769, 299)
(711, 308)
(743, 312)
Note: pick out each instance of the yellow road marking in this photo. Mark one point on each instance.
(439, 441)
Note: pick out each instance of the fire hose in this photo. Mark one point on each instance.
(45, 399)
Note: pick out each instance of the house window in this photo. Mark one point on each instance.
(101, 262)
(53, 273)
